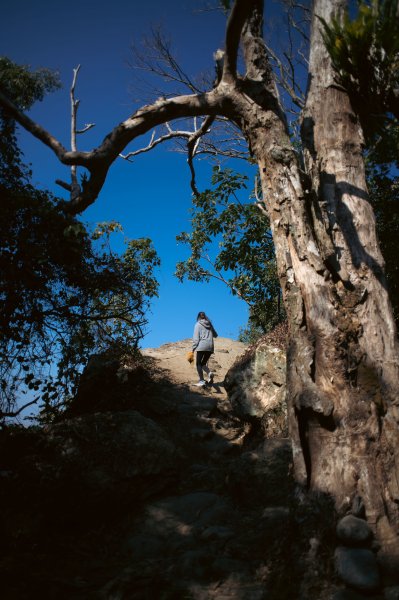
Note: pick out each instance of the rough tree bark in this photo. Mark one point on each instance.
(343, 362)
(351, 444)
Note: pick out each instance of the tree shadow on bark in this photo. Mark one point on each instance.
(346, 222)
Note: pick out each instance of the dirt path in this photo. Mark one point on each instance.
(172, 359)
(219, 533)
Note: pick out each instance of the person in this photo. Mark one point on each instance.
(203, 336)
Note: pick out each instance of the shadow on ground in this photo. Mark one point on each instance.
(159, 493)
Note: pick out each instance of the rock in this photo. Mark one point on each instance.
(358, 568)
(352, 530)
(261, 476)
(195, 564)
(109, 382)
(391, 593)
(256, 387)
(223, 565)
(347, 594)
(112, 454)
(216, 532)
(142, 546)
(186, 514)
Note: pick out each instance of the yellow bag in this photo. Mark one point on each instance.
(190, 356)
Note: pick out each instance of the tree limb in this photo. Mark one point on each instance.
(193, 138)
(156, 141)
(239, 14)
(75, 189)
(192, 145)
(16, 412)
(39, 132)
(99, 160)
(63, 184)
(158, 58)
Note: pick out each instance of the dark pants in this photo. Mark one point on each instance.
(201, 360)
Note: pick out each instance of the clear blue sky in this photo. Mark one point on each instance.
(151, 197)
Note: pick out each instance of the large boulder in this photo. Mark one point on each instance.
(113, 455)
(109, 382)
(87, 469)
(256, 386)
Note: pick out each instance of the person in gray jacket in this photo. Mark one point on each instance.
(203, 336)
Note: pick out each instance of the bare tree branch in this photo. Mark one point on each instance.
(287, 60)
(158, 58)
(286, 80)
(35, 129)
(192, 145)
(85, 128)
(75, 188)
(63, 184)
(156, 141)
(193, 139)
(239, 13)
(99, 160)
(17, 412)
(219, 277)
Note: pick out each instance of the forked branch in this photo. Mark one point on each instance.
(98, 161)
(239, 14)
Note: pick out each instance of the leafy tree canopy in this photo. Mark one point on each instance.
(365, 54)
(64, 293)
(245, 259)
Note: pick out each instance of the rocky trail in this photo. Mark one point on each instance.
(215, 535)
(171, 496)
(149, 488)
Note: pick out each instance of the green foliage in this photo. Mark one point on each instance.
(225, 4)
(365, 54)
(250, 334)
(244, 259)
(63, 298)
(384, 195)
(64, 293)
(23, 86)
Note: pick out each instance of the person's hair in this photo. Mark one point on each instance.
(202, 315)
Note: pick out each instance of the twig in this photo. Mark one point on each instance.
(154, 142)
(17, 412)
(192, 146)
(75, 189)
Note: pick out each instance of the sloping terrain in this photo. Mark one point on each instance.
(171, 358)
(172, 497)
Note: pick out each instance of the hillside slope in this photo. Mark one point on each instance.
(163, 493)
(171, 358)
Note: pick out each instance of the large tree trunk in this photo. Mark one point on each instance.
(343, 355)
(353, 329)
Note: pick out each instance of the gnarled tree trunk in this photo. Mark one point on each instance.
(343, 363)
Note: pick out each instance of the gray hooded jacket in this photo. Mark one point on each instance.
(204, 333)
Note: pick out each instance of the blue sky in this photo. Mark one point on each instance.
(151, 197)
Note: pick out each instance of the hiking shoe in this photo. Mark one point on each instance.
(200, 383)
(210, 377)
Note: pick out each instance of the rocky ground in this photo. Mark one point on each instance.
(155, 489)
